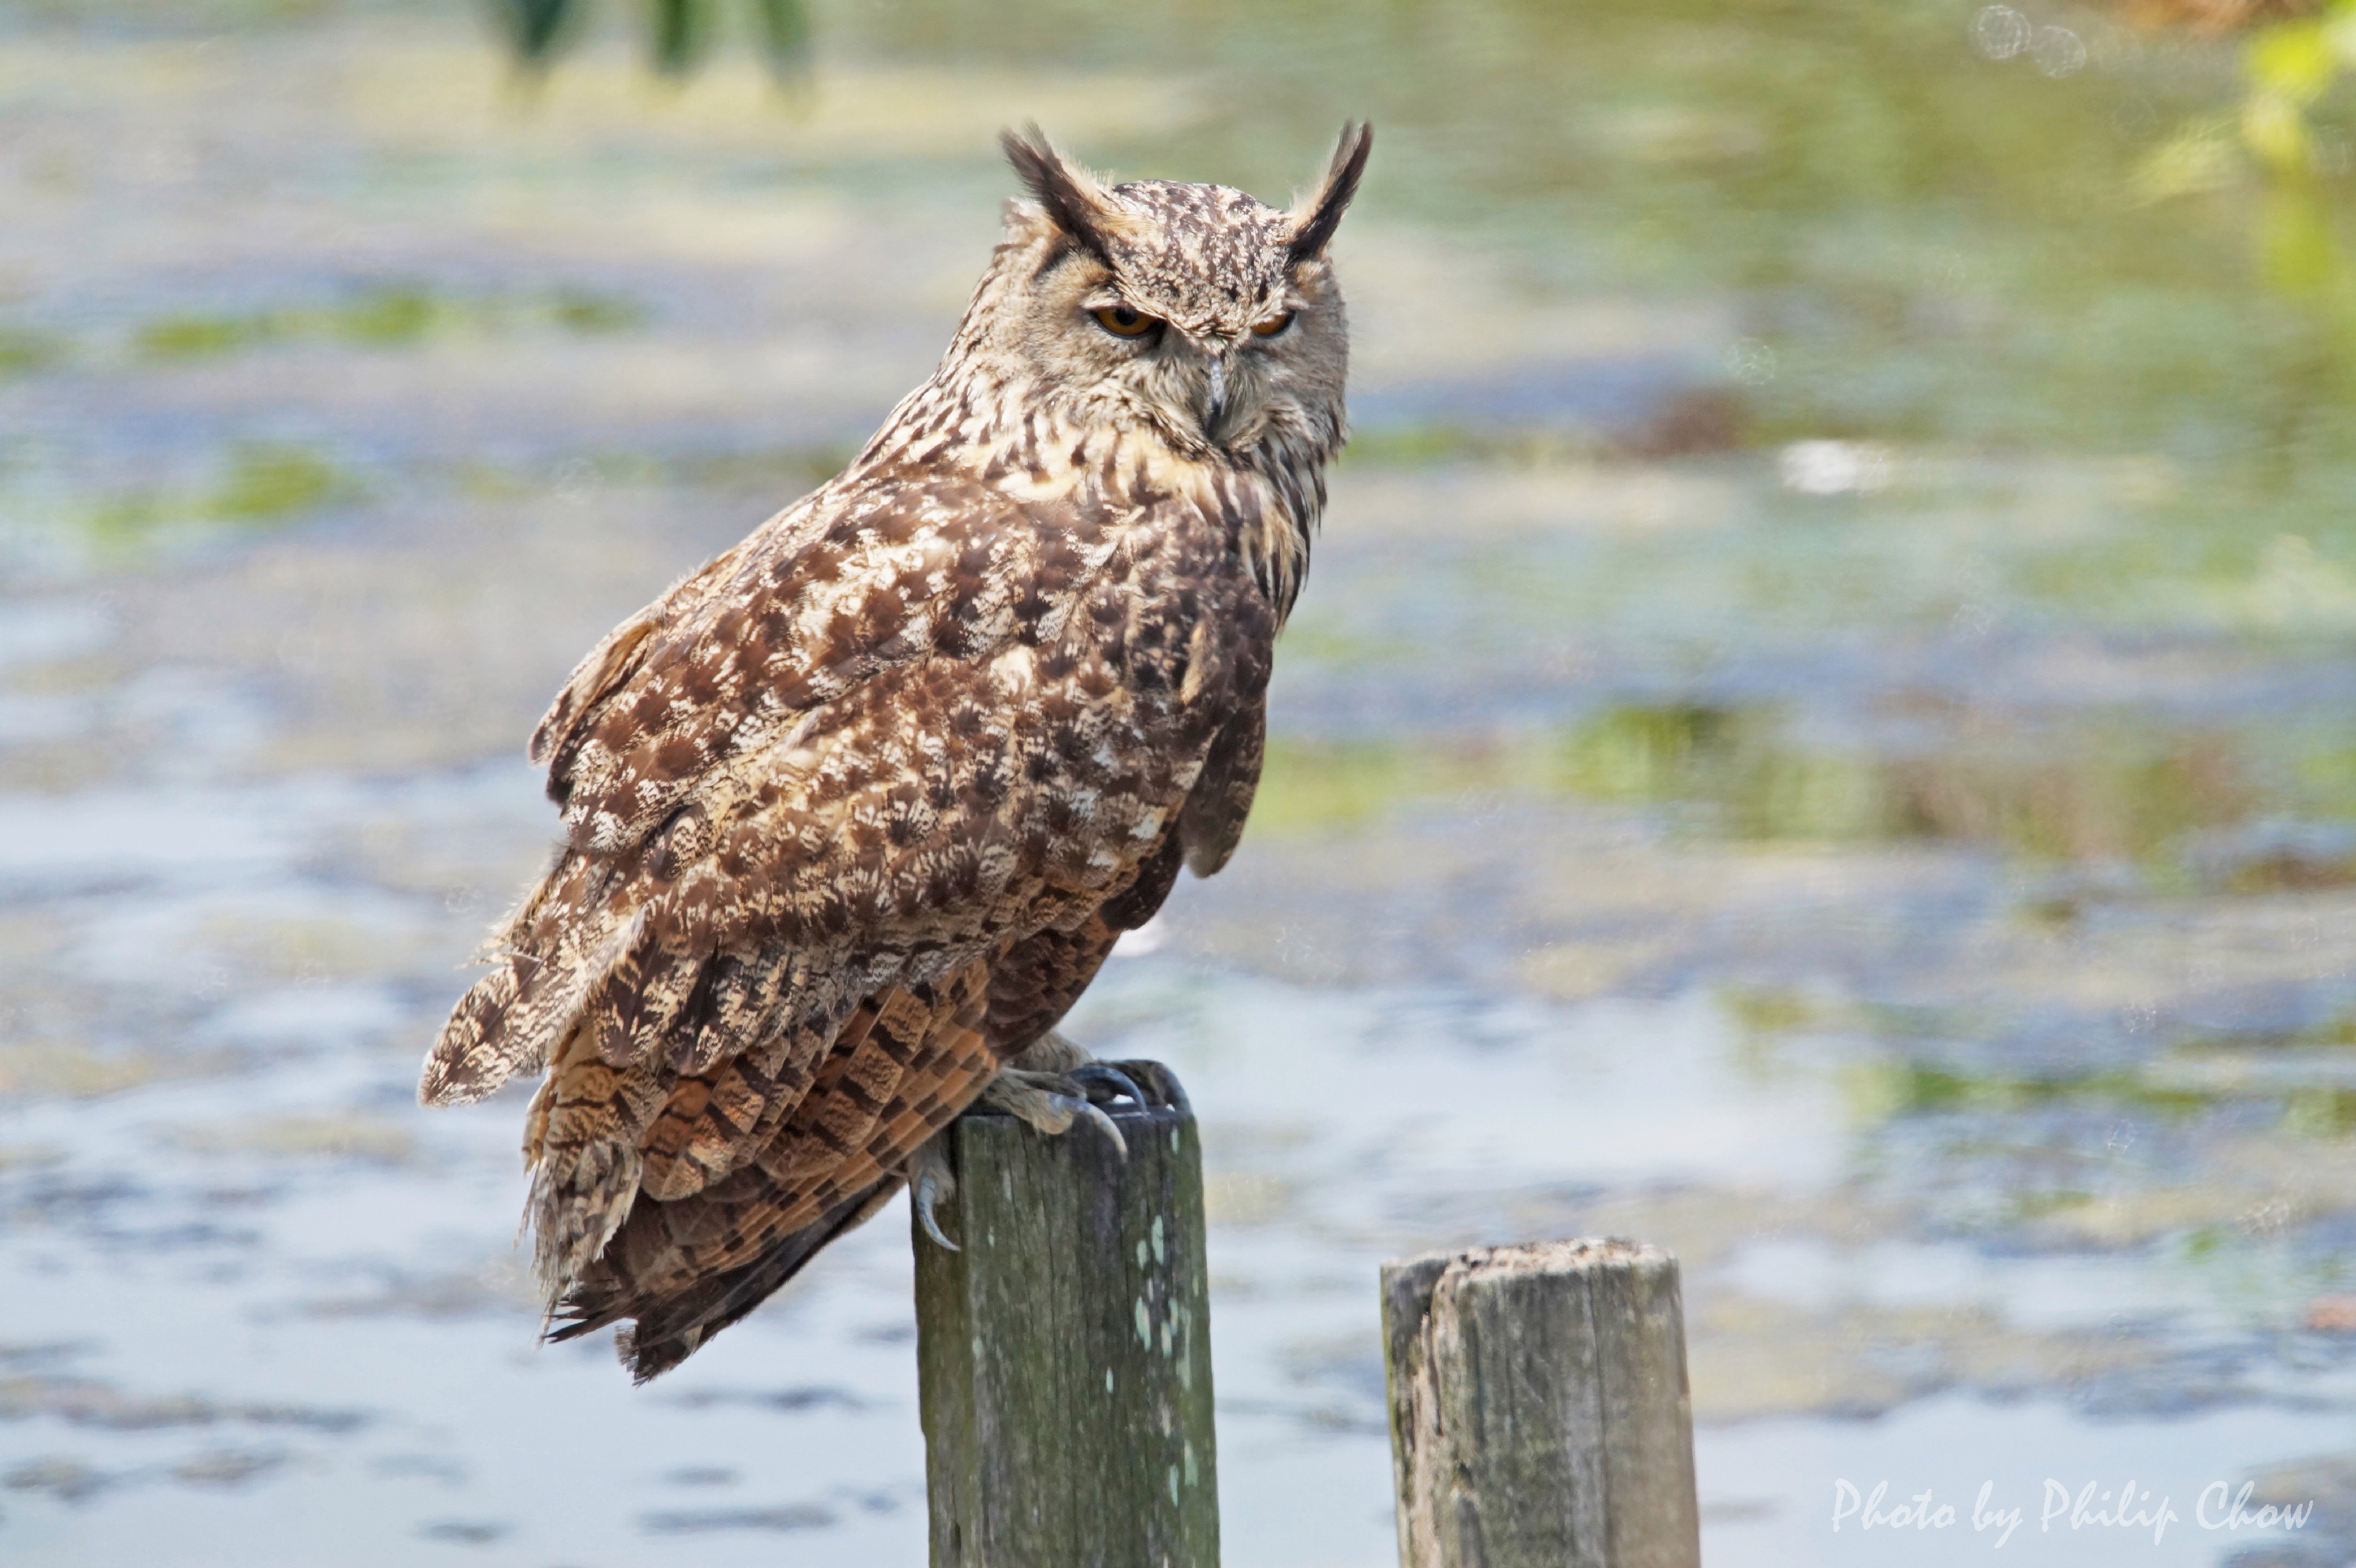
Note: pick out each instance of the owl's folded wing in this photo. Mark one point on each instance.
(982, 729)
(819, 601)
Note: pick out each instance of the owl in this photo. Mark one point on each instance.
(855, 811)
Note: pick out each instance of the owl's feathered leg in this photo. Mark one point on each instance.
(1059, 1054)
(1047, 1103)
(1055, 1055)
(1048, 1085)
(1050, 1103)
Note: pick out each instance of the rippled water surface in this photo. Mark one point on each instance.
(1819, 735)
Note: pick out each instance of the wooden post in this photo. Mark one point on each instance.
(1064, 1353)
(1540, 1414)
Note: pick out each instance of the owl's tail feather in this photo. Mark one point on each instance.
(688, 1266)
(670, 1328)
(584, 1140)
(581, 1194)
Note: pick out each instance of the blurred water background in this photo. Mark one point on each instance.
(1819, 734)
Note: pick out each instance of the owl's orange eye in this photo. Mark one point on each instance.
(1273, 325)
(1123, 321)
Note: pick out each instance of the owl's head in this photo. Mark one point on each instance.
(1194, 308)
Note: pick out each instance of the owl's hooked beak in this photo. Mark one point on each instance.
(1215, 397)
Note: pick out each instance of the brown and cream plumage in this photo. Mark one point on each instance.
(853, 812)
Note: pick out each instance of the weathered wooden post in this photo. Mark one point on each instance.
(1065, 1351)
(1539, 1414)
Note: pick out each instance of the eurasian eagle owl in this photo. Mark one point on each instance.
(853, 812)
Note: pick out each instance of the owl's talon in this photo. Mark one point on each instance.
(1102, 1123)
(1047, 1103)
(1111, 1077)
(932, 1181)
(1168, 1092)
(928, 1193)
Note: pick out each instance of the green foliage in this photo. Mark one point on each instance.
(2289, 70)
(679, 29)
(785, 34)
(2290, 66)
(535, 28)
(680, 33)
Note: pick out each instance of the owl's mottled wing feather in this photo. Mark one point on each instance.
(725, 698)
(1035, 981)
(616, 658)
(883, 574)
(885, 738)
(1212, 823)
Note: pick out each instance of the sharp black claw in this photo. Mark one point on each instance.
(928, 1193)
(1111, 1077)
(1103, 1123)
(1167, 1090)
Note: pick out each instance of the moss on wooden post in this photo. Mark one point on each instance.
(1539, 1413)
(1065, 1351)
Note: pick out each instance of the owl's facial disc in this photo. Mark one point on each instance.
(1196, 309)
(1210, 365)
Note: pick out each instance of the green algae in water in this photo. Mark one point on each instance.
(24, 351)
(385, 315)
(261, 484)
(388, 317)
(1432, 443)
(1310, 786)
(266, 483)
(579, 310)
(201, 336)
(1891, 1088)
(2107, 787)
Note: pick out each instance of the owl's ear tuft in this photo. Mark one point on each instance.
(1074, 201)
(1317, 216)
